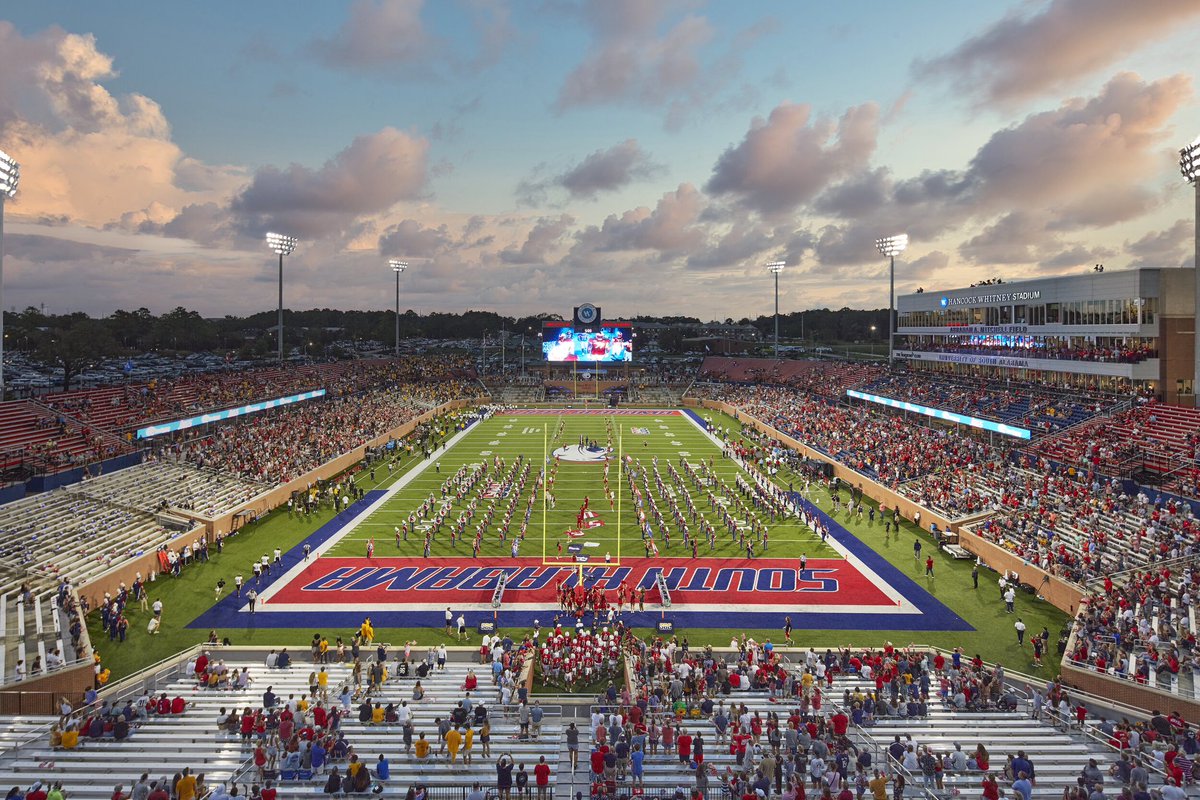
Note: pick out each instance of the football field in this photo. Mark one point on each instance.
(590, 458)
(517, 506)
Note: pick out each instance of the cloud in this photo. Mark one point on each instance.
(629, 61)
(372, 174)
(1026, 54)
(410, 239)
(376, 33)
(1045, 165)
(1013, 239)
(88, 155)
(670, 229)
(1165, 248)
(608, 170)
(787, 159)
(601, 171)
(541, 241)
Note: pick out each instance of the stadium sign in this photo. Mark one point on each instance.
(990, 299)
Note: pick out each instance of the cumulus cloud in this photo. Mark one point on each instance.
(788, 158)
(372, 174)
(1044, 164)
(630, 60)
(98, 157)
(543, 238)
(1165, 248)
(670, 228)
(410, 239)
(601, 171)
(376, 33)
(1025, 54)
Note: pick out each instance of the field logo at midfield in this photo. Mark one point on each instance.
(580, 454)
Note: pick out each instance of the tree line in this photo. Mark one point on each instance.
(74, 341)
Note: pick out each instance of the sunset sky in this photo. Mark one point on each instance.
(649, 157)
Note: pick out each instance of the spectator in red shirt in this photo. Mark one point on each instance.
(541, 776)
(683, 744)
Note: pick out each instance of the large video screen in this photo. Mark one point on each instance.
(610, 342)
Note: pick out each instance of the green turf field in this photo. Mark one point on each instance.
(523, 443)
(188, 596)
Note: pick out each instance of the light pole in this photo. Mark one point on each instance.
(10, 176)
(1189, 166)
(283, 245)
(776, 267)
(397, 266)
(891, 247)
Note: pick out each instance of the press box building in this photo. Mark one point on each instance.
(1120, 330)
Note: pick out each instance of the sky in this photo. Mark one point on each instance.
(525, 156)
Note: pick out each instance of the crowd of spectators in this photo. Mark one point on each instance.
(1124, 353)
(881, 446)
(1140, 629)
(825, 378)
(1081, 527)
(278, 446)
(805, 746)
(1007, 401)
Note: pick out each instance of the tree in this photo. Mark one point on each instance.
(131, 327)
(181, 329)
(76, 347)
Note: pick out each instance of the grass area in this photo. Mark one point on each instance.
(501, 440)
(191, 594)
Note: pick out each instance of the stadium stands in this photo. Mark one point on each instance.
(163, 745)
(89, 425)
(1142, 627)
(825, 377)
(880, 446)
(1038, 409)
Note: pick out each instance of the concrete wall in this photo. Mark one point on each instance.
(1128, 692)
(1059, 593)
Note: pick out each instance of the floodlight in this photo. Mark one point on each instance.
(892, 246)
(397, 265)
(776, 267)
(1189, 161)
(281, 243)
(10, 174)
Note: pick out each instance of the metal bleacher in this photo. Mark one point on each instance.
(162, 746)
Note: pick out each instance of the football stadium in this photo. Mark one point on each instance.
(922, 532)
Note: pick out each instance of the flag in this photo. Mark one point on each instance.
(590, 520)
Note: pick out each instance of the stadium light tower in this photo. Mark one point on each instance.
(891, 247)
(282, 245)
(776, 267)
(10, 176)
(1189, 166)
(397, 266)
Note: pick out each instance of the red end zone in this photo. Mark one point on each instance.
(693, 582)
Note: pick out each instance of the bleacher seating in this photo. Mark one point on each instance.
(1156, 437)
(820, 377)
(1038, 409)
(163, 485)
(163, 746)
